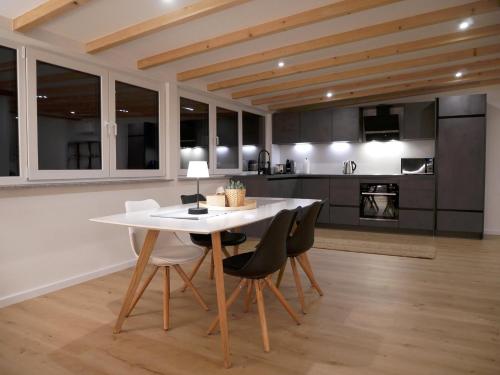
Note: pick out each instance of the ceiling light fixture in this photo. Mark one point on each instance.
(464, 25)
(281, 64)
(458, 75)
(329, 94)
(72, 112)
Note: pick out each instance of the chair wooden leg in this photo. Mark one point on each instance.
(141, 291)
(282, 300)
(280, 275)
(166, 298)
(196, 268)
(298, 284)
(234, 295)
(248, 297)
(262, 315)
(211, 277)
(197, 294)
(306, 266)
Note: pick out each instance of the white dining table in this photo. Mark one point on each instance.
(152, 221)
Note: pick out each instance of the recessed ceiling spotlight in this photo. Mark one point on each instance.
(458, 75)
(464, 25)
(281, 64)
(72, 112)
(329, 94)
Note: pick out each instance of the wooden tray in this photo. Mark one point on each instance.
(250, 204)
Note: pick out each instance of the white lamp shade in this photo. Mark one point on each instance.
(198, 169)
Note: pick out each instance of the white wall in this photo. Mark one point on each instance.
(46, 240)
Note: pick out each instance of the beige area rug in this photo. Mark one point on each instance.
(401, 245)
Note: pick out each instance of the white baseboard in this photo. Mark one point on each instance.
(44, 289)
(493, 232)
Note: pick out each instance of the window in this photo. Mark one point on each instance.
(227, 139)
(67, 117)
(194, 131)
(86, 122)
(10, 165)
(136, 118)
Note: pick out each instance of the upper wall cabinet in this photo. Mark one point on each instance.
(286, 127)
(254, 129)
(419, 121)
(346, 125)
(315, 126)
(463, 105)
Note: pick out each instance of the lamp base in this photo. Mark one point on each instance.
(198, 211)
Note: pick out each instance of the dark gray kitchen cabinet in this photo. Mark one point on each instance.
(419, 121)
(417, 192)
(462, 105)
(416, 219)
(459, 221)
(286, 127)
(344, 215)
(317, 188)
(344, 191)
(285, 187)
(254, 129)
(346, 125)
(256, 186)
(316, 126)
(461, 163)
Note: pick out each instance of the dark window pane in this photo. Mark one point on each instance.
(69, 118)
(227, 139)
(9, 137)
(194, 131)
(137, 117)
(254, 131)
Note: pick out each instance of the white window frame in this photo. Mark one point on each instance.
(160, 88)
(21, 112)
(32, 56)
(240, 139)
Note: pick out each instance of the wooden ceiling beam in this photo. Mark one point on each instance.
(390, 50)
(44, 12)
(336, 9)
(412, 22)
(176, 17)
(420, 84)
(446, 70)
(441, 58)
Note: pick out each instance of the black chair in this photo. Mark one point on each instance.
(256, 267)
(205, 240)
(298, 244)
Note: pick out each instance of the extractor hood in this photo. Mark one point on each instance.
(383, 126)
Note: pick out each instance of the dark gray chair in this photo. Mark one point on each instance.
(255, 269)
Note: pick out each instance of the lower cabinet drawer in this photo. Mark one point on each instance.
(344, 215)
(416, 219)
(378, 223)
(460, 221)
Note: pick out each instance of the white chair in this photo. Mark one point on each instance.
(169, 251)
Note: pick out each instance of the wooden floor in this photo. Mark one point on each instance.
(380, 315)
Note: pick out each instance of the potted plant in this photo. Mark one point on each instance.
(235, 193)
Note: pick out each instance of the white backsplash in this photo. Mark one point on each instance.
(371, 157)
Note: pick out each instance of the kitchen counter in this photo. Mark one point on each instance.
(321, 175)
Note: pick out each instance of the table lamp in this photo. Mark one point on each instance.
(197, 169)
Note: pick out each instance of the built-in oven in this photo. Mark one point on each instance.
(379, 201)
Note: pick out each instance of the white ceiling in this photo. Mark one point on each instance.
(99, 17)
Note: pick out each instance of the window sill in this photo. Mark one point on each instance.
(38, 184)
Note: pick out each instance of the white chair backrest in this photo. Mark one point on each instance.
(137, 236)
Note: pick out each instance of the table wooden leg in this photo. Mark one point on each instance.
(221, 297)
(142, 262)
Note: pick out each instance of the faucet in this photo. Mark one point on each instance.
(262, 167)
